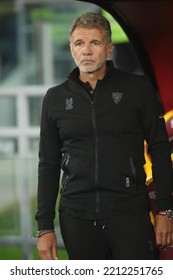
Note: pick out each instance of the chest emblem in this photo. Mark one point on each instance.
(117, 96)
(69, 104)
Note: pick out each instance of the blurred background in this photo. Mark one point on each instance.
(34, 55)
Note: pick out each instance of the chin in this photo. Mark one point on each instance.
(86, 70)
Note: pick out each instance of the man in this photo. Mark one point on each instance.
(93, 128)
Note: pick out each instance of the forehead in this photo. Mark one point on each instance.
(81, 33)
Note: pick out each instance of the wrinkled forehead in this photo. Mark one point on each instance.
(88, 33)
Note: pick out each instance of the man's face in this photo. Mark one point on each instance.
(90, 49)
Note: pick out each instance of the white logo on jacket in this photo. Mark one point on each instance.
(69, 104)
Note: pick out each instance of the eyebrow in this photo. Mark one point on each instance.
(77, 41)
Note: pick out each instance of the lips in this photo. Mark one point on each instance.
(87, 61)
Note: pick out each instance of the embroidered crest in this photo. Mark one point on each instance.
(117, 96)
(69, 104)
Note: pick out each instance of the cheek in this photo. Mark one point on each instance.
(102, 56)
(75, 54)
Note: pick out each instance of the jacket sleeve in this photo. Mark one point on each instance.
(158, 146)
(48, 167)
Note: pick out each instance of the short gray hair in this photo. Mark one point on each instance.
(92, 20)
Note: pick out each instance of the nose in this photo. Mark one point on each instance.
(87, 50)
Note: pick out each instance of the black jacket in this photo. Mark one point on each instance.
(99, 145)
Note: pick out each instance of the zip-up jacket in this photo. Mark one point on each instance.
(99, 146)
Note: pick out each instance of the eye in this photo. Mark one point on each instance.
(96, 43)
(78, 44)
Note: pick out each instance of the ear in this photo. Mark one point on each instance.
(110, 49)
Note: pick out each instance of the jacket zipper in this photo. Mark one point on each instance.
(65, 181)
(133, 168)
(66, 163)
(96, 157)
(96, 149)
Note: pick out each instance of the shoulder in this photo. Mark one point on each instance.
(140, 78)
(57, 89)
(129, 82)
(54, 92)
(53, 95)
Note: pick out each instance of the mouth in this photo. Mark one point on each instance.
(86, 60)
